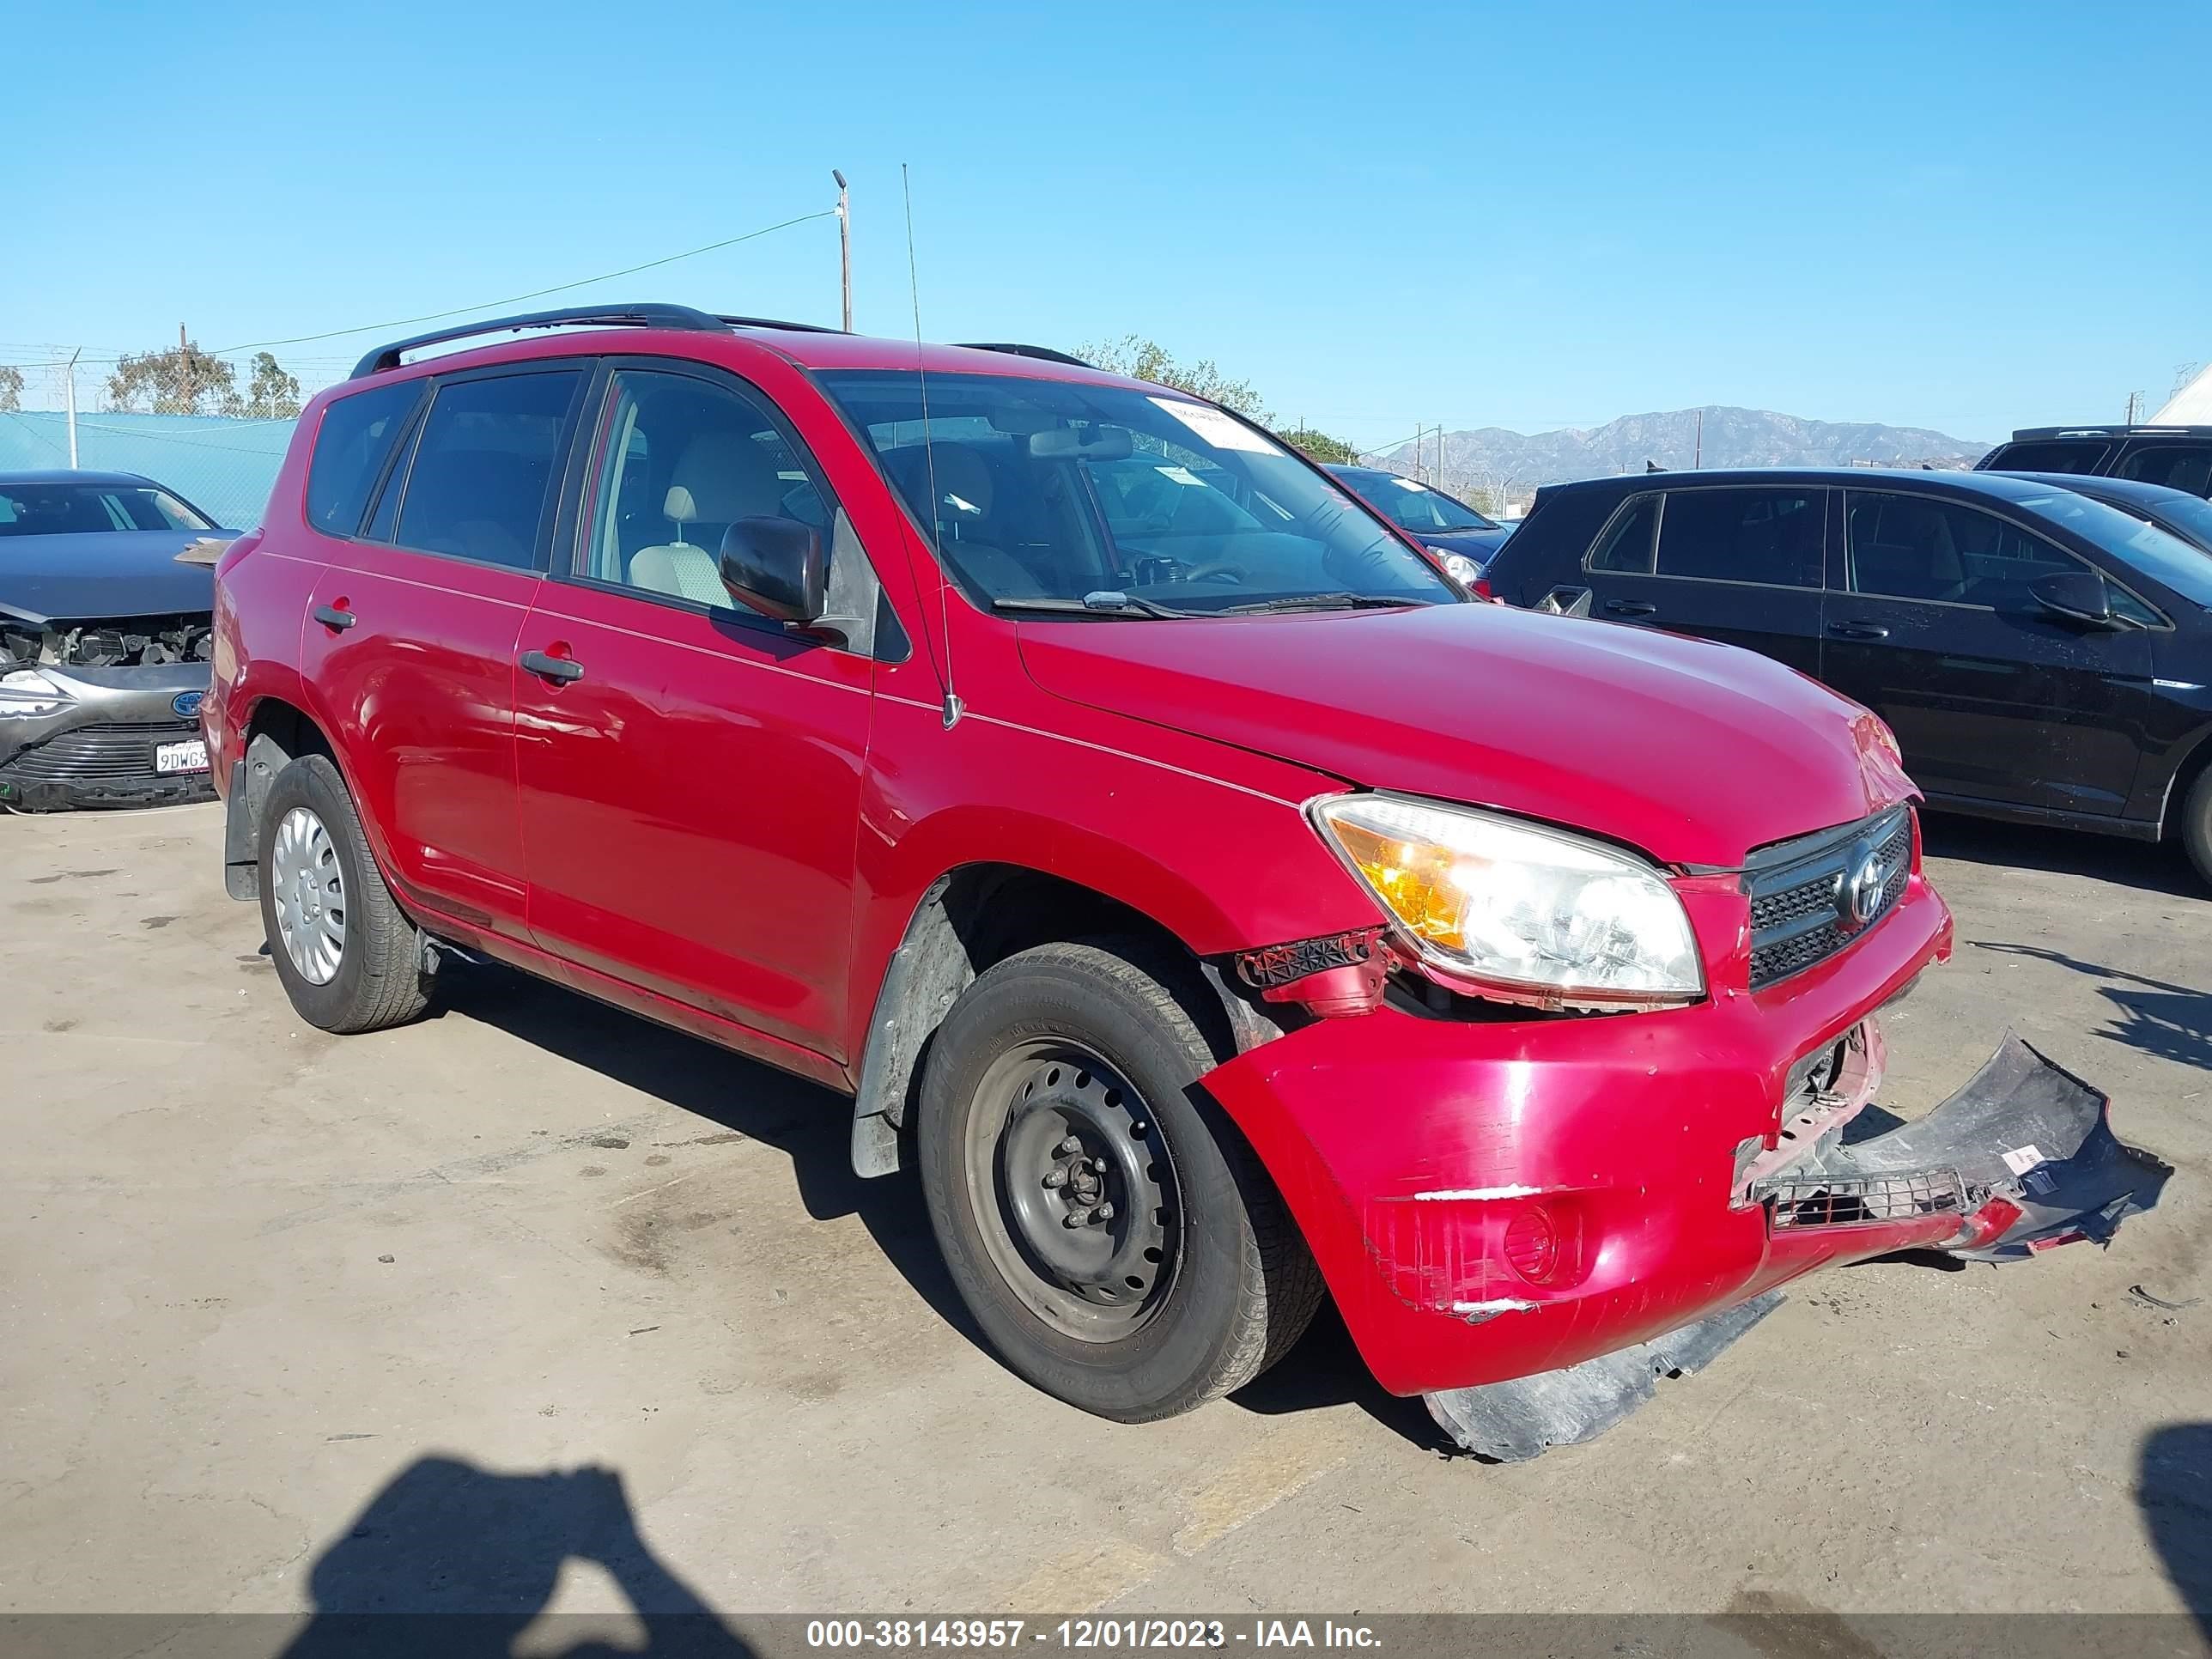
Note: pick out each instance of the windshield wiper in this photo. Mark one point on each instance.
(1107, 602)
(1318, 602)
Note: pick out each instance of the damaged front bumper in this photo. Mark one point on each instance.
(1497, 1200)
(2021, 1159)
(105, 738)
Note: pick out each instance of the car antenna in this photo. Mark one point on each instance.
(953, 707)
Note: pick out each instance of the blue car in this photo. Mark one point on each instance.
(1445, 527)
(105, 640)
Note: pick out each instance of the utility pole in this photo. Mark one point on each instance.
(844, 246)
(69, 401)
(2134, 402)
(1697, 453)
(184, 366)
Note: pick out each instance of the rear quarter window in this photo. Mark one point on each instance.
(351, 447)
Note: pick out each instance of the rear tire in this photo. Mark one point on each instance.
(1117, 1241)
(2195, 827)
(350, 960)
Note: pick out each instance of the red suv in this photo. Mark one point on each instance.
(1166, 858)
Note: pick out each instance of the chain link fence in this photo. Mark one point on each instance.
(223, 467)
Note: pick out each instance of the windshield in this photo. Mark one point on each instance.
(72, 509)
(1415, 505)
(2141, 545)
(1058, 491)
(2189, 517)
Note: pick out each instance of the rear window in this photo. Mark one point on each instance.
(351, 444)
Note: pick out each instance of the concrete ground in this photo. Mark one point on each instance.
(533, 1302)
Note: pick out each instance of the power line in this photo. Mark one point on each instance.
(487, 305)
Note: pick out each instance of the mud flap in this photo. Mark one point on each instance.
(2026, 1148)
(1510, 1422)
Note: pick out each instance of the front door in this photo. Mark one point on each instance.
(1738, 564)
(690, 773)
(410, 639)
(1992, 698)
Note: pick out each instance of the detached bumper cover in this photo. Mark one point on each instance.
(2022, 1159)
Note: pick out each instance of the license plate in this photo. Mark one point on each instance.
(190, 755)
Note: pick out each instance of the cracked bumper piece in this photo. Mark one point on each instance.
(1525, 1416)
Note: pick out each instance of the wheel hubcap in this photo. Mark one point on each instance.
(1075, 1189)
(309, 890)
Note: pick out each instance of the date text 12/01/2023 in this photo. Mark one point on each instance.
(1084, 1634)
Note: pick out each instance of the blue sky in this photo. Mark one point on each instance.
(1968, 217)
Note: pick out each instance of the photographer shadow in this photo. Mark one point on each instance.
(450, 1559)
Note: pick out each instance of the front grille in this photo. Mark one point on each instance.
(1801, 892)
(1815, 1201)
(122, 753)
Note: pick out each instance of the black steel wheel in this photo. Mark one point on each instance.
(1082, 1214)
(1116, 1240)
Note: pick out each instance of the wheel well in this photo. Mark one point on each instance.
(972, 918)
(2185, 779)
(276, 734)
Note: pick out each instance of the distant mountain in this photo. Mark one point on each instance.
(1491, 457)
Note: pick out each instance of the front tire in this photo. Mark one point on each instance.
(349, 959)
(1117, 1241)
(2194, 827)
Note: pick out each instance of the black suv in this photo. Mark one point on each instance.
(2040, 656)
(2179, 457)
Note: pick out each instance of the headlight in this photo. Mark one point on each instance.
(1541, 915)
(25, 692)
(1461, 568)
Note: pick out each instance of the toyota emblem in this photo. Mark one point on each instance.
(1858, 897)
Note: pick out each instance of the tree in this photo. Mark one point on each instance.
(183, 381)
(272, 395)
(1321, 446)
(1147, 360)
(11, 389)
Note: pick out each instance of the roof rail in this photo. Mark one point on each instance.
(774, 322)
(639, 316)
(2115, 430)
(1043, 354)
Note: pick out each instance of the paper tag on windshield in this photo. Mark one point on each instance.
(1218, 428)
(2021, 1159)
(1411, 483)
(1181, 475)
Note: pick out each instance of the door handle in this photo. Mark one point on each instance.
(559, 670)
(331, 617)
(1630, 608)
(1858, 630)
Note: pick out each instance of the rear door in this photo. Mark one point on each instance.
(689, 772)
(1992, 698)
(1741, 564)
(410, 636)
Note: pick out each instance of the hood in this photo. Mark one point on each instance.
(1694, 752)
(1480, 545)
(101, 573)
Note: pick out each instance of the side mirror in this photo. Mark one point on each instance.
(777, 567)
(2079, 596)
